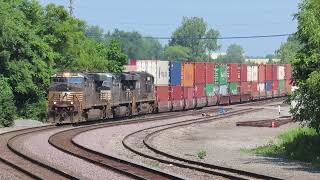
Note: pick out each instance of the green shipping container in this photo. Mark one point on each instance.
(210, 89)
(233, 88)
(281, 85)
(220, 74)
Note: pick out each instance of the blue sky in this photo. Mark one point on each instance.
(161, 18)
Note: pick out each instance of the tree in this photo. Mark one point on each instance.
(288, 50)
(235, 54)
(36, 42)
(192, 34)
(151, 49)
(211, 41)
(176, 53)
(7, 107)
(306, 65)
(95, 32)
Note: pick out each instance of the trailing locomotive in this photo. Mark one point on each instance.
(76, 97)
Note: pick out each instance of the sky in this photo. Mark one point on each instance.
(230, 17)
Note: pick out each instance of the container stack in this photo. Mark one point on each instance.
(253, 70)
(211, 89)
(187, 82)
(176, 90)
(275, 82)
(261, 81)
(245, 90)
(160, 71)
(199, 84)
(234, 77)
(280, 77)
(269, 80)
(220, 78)
(288, 78)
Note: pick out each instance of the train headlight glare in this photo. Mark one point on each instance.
(71, 102)
(54, 102)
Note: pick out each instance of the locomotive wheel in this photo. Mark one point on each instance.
(150, 109)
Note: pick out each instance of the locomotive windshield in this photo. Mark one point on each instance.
(69, 80)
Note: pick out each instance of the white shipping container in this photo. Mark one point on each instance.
(223, 90)
(152, 68)
(162, 77)
(141, 66)
(261, 87)
(281, 73)
(249, 73)
(254, 76)
(129, 68)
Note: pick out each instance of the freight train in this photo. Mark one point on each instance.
(154, 86)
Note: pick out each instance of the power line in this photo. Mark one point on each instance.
(230, 37)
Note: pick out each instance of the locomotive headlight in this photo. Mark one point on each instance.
(54, 102)
(71, 102)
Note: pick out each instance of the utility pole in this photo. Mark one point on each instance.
(71, 8)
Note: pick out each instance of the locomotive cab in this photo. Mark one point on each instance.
(65, 97)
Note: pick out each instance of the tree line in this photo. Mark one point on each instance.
(36, 42)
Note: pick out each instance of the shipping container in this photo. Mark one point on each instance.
(175, 73)
(129, 68)
(281, 73)
(254, 90)
(199, 73)
(288, 72)
(262, 90)
(274, 72)
(288, 86)
(211, 91)
(275, 88)
(188, 94)
(176, 98)
(199, 94)
(233, 72)
(249, 73)
(245, 91)
(209, 73)
(234, 91)
(220, 74)
(268, 72)
(261, 73)
(244, 72)
(162, 73)
(282, 90)
(223, 90)
(132, 62)
(141, 66)
(254, 73)
(162, 96)
(187, 74)
(151, 68)
(269, 89)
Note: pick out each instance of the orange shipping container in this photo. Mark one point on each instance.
(187, 74)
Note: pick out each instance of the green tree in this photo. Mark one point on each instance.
(306, 65)
(151, 49)
(95, 32)
(235, 54)
(7, 107)
(288, 50)
(192, 34)
(176, 53)
(211, 41)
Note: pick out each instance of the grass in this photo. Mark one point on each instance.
(301, 144)
(201, 154)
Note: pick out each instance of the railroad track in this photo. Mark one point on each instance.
(166, 158)
(26, 164)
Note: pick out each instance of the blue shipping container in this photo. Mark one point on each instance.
(175, 73)
(268, 85)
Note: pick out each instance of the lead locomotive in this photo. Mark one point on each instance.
(76, 97)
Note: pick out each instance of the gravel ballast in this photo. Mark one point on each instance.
(223, 142)
(36, 145)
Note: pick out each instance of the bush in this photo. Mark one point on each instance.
(302, 144)
(7, 108)
(202, 154)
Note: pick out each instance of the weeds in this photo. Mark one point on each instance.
(302, 144)
(202, 154)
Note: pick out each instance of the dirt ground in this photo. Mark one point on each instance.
(224, 143)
